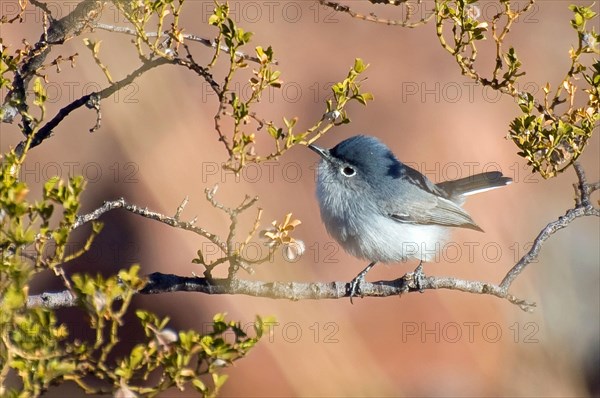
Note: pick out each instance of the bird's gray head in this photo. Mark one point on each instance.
(358, 161)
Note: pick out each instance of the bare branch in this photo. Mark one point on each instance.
(582, 208)
(548, 231)
(159, 283)
(410, 282)
(144, 212)
(42, 6)
(180, 208)
(190, 37)
(583, 188)
(90, 100)
(404, 22)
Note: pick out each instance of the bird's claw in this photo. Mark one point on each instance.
(354, 287)
(415, 281)
(419, 278)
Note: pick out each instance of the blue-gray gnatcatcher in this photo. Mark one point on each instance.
(382, 210)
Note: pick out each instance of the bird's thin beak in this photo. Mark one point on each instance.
(324, 153)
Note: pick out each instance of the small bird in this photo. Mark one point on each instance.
(381, 210)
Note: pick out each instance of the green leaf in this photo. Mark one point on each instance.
(39, 91)
(363, 98)
(359, 65)
(199, 385)
(219, 380)
(13, 298)
(214, 20)
(275, 132)
(137, 356)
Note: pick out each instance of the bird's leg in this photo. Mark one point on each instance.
(419, 277)
(354, 287)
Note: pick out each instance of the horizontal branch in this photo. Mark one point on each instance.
(158, 283)
(164, 283)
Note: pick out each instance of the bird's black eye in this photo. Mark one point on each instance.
(348, 171)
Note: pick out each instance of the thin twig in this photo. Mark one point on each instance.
(44, 7)
(144, 212)
(548, 231)
(88, 100)
(405, 22)
(583, 186)
(190, 37)
(180, 208)
(582, 208)
(58, 32)
(235, 260)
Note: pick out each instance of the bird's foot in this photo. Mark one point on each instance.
(420, 277)
(354, 289)
(354, 286)
(415, 280)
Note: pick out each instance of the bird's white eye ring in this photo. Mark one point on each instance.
(348, 171)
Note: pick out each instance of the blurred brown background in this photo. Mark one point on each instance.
(157, 144)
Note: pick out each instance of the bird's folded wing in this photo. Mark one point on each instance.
(430, 209)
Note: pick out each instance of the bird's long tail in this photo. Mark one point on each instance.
(474, 184)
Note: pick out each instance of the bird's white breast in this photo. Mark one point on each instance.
(363, 231)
